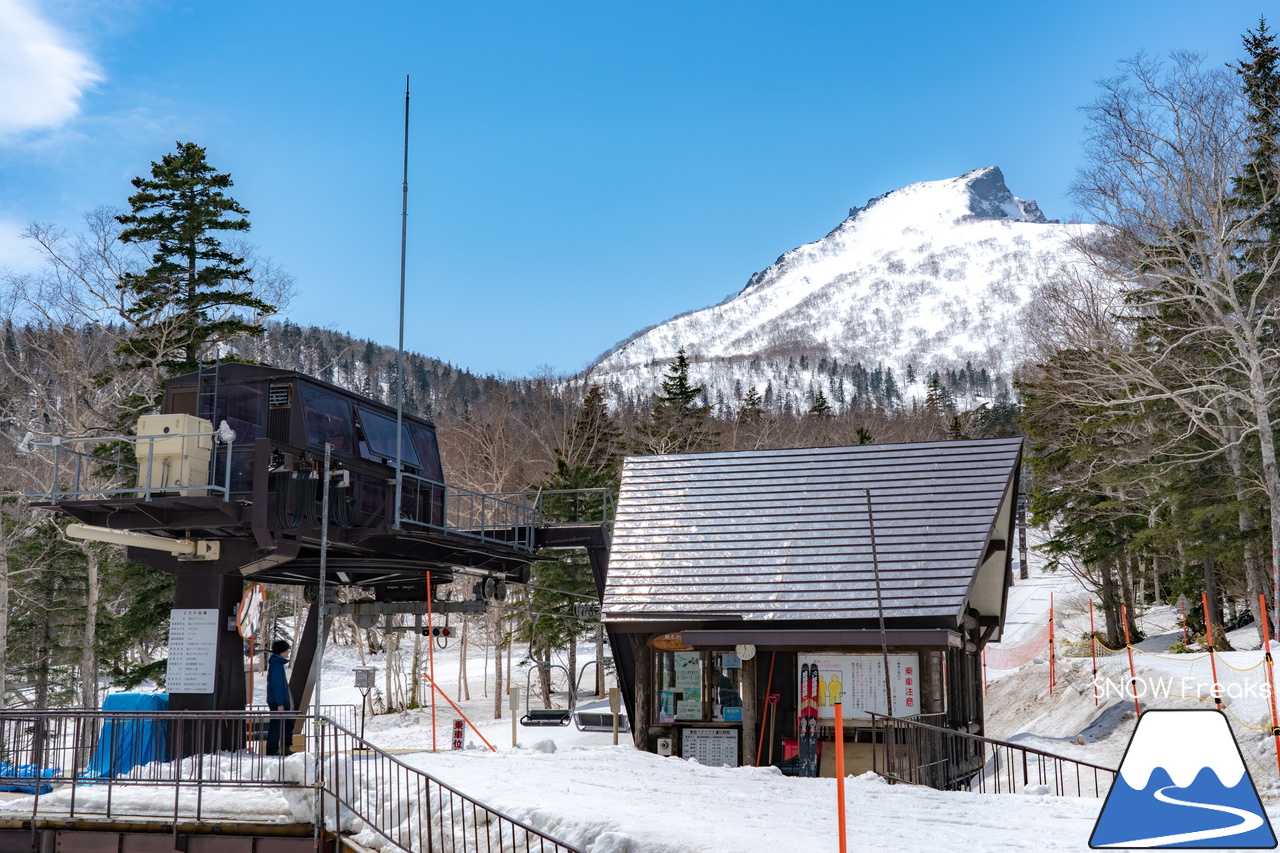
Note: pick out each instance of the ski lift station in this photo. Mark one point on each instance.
(759, 588)
(744, 594)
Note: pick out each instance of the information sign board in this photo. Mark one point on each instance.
(712, 747)
(193, 650)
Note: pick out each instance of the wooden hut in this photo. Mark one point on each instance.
(739, 576)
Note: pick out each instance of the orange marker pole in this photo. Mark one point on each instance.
(431, 665)
(840, 776)
(1133, 676)
(1213, 658)
(1271, 675)
(1093, 650)
(1052, 674)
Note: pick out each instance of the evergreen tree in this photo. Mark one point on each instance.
(820, 408)
(196, 292)
(590, 460)
(752, 407)
(676, 423)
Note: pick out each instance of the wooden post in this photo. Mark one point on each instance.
(840, 775)
(615, 708)
(1133, 676)
(1213, 658)
(1093, 650)
(513, 704)
(984, 670)
(1271, 675)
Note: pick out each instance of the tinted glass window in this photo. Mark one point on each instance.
(241, 407)
(328, 419)
(380, 438)
(424, 440)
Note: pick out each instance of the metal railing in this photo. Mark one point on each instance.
(176, 766)
(509, 518)
(500, 518)
(413, 811)
(86, 468)
(906, 750)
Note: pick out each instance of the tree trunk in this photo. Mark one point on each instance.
(88, 655)
(499, 696)
(1254, 578)
(464, 689)
(1271, 479)
(1215, 604)
(1125, 571)
(544, 681)
(415, 697)
(4, 612)
(573, 670)
(1110, 607)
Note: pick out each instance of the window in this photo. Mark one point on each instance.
(328, 419)
(679, 683)
(241, 407)
(424, 440)
(380, 438)
(697, 687)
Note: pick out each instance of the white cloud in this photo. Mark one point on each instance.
(16, 254)
(42, 75)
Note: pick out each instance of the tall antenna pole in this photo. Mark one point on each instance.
(884, 639)
(404, 242)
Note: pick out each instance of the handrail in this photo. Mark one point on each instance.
(905, 750)
(81, 763)
(86, 464)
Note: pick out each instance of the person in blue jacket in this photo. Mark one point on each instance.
(278, 699)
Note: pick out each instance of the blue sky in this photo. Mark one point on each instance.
(578, 170)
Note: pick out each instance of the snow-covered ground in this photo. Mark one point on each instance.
(578, 787)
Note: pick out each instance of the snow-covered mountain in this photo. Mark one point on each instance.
(926, 278)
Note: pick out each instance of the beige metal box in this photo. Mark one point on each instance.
(175, 449)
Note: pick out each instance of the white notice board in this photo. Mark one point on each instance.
(193, 650)
(712, 747)
(858, 680)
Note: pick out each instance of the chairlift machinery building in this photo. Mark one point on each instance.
(227, 490)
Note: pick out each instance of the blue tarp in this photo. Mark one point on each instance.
(124, 744)
(24, 771)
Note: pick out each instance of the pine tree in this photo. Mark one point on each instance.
(820, 408)
(676, 423)
(752, 407)
(196, 293)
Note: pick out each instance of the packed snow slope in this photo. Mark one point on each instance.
(929, 277)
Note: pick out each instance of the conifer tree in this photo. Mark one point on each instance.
(820, 408)
(196, 293)
(677, 424)
(752, 407)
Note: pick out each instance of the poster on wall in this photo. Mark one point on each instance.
(858, 681)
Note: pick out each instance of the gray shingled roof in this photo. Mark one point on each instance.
(782, 534)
